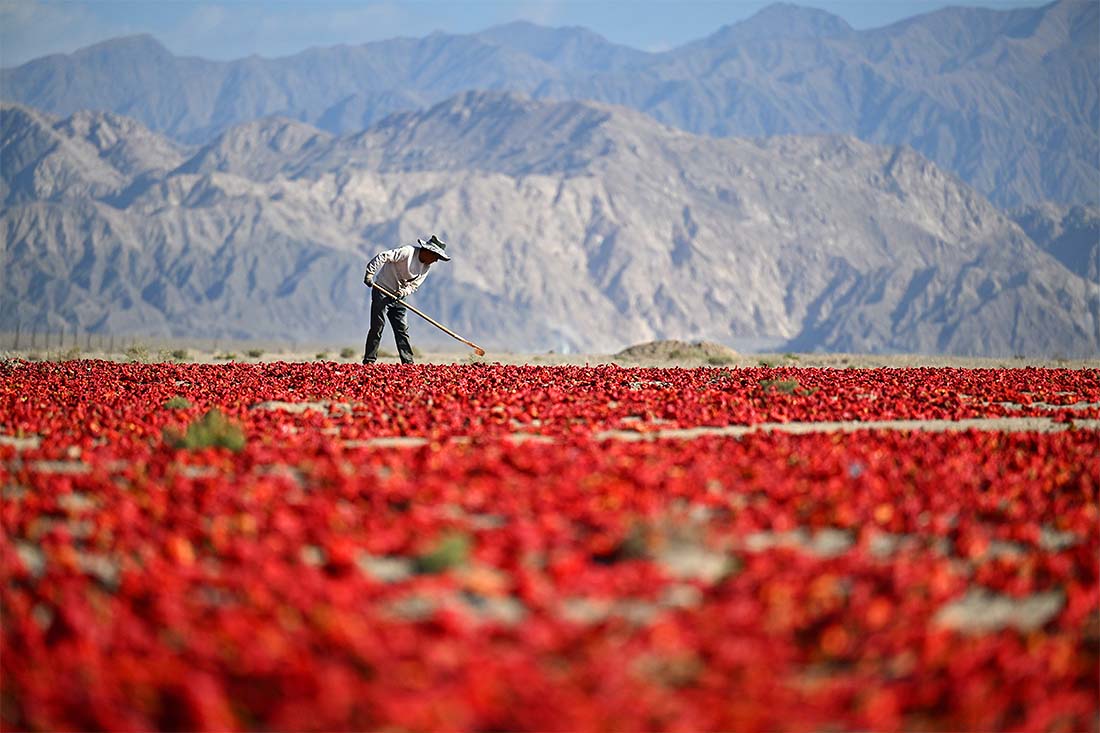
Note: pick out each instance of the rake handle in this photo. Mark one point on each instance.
(477, 349)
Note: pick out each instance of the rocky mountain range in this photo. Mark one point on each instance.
(576, 225)
(1008, 101)
(1070, 233)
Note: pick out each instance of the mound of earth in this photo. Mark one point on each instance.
(673, 350)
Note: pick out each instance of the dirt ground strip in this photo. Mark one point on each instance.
(692, 357)
(647, 432)
(993, 424)
(652, 431)
(998, 424)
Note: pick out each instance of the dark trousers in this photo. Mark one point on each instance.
(380, 307)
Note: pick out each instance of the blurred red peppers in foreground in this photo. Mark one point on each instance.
(492, 547)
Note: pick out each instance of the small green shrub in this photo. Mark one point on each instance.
(228, 356)
(177, 403)
(212, 430)
(137, 352)
(786, 386)
(719, 360)
(347, 352)
(790, 357)
(255, 353)
(451, 551)
(181, 355)
(383, 354)
(322, 355)
(721, 375)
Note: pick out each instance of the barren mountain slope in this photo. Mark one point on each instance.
(578, 226)
(1071, 234)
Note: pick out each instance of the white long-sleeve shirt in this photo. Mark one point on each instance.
(398, 270)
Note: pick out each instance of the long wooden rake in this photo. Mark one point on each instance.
(477, 349)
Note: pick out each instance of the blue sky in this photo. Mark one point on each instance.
(236, 28)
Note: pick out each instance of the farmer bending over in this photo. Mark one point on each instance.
(400, 271)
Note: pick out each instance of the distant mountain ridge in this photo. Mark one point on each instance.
(575, 225)
(1070, 234)
(1007, 100)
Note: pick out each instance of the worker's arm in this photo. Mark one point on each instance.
(376, 264)
(410, 286)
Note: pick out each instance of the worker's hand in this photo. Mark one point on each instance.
(368, 281)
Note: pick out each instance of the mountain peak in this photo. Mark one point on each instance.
(778, 22)
(525, 30)
(257, 148)
(569, 47)
(142, 44)
(789, 21)
(479, 101)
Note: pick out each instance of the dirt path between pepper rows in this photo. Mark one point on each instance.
(985, 424)
(995, 424)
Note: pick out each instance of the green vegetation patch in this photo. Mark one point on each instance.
(452, 550)
(786, 386)
(137, 352)
(212, 430)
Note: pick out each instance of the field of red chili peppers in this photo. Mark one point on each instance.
(483, 547)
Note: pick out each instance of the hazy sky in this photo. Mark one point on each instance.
(236, 28)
